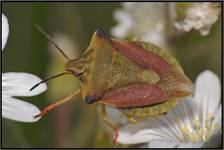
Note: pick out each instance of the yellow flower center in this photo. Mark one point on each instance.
(198, 132)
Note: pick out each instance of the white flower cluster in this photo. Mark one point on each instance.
(200, 16)
(147, 21)
(142, 20)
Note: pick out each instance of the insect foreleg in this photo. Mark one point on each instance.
(57, 103)
(108, 122)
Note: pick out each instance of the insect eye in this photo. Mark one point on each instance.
(100, 33)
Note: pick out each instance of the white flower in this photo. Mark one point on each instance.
(190, 124)
(201, 16)
(142, 20)
(18, 84)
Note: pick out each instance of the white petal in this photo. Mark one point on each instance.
(19, 84)
(126, 137)
(191, 145)
(5, 30)
(208, 89)
(162, 144)
(145, 131)
(18, 110)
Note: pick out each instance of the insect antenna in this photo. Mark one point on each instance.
(39, 28)
(55, 76)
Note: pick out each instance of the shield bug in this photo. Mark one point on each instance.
(138, 78)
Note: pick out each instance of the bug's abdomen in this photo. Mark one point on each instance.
(151, 110)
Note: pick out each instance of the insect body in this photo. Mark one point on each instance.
(129, 75)
(138, 78)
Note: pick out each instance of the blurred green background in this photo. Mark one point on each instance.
(27, 50)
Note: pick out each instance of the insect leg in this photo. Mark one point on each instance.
(57, 103)
(108, 122)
